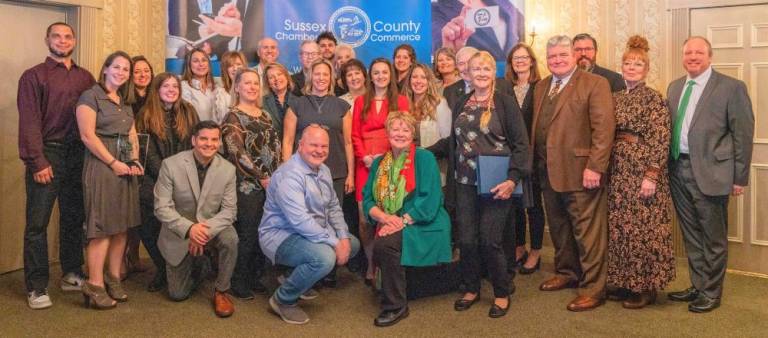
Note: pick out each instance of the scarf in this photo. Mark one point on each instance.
(395, 178)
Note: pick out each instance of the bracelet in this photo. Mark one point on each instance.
(111, 163)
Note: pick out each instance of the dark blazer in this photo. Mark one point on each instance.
(514, 131)
(527, 107)
(720, 134)
(614, 79)
(454, 92)
(581, 132)
(269, 104)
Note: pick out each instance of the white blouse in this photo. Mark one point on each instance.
(212, 104)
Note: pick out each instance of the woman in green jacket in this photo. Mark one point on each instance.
(404, 199)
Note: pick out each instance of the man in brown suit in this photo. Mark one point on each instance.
(572, 136)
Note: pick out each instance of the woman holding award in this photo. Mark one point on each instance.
(110, 188)
(485, 123)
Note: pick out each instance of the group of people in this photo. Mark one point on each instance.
(258, 165)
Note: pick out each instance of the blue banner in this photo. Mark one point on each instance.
(372, 28)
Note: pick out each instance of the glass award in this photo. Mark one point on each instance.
(132, 149)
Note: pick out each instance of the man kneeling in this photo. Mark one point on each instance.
(196, 201)
(303, 226)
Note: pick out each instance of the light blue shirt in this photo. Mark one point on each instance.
(698, 88)
(301, 201)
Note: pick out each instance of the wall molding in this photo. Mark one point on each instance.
(753, 83)
(755, 167)
(753, 34)
(711, 29)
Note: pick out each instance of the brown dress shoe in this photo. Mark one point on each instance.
(640, 300)
(584, 303)
(222, 304)
(557, 283)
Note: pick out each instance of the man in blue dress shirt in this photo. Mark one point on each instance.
(303, 226)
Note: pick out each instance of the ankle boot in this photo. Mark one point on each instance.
(640, 300)
(115, 288)
(96, 297)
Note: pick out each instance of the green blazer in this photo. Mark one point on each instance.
(428, 240)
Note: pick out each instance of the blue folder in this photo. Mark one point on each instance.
(492, 170)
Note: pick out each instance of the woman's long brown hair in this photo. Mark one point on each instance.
(152, 116)
(370, 91)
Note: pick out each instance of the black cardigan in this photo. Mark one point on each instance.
(515, 132)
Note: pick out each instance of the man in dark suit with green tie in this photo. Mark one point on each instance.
(712, 128)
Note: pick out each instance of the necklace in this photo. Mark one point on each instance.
(318, 107)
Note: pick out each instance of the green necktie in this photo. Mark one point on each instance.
(678, 128)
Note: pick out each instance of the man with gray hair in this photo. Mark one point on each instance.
(711, 151)
(571, 137)
(303, 226)
(309, 51)
(268, 52)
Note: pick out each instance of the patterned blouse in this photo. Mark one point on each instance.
(252, 144)
(473, 141)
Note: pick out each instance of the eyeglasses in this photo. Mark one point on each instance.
(584, 50)
(309, 53)
(521, 58)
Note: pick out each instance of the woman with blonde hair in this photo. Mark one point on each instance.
(485, 123)
(641, 260)
(445, 67)
(252, 144)
(278, 86)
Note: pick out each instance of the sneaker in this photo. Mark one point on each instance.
(72, 282)
(309, 294)
(39, 300)
(291, 314)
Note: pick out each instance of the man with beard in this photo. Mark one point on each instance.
(585, 51)
(50, 147)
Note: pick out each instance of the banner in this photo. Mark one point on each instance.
(372, 28)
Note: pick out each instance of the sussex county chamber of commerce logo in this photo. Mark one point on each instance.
(482, 17)
(350, 25)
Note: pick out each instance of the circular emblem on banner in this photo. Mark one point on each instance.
(482, 17)
(350, 25)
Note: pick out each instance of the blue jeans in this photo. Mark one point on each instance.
(311, 262)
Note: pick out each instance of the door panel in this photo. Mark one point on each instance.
(739, 37)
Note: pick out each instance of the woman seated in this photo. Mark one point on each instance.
(403, 197)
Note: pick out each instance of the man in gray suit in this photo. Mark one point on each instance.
(196, 201)
(712, 128)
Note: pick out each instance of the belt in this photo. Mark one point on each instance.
(627, 137)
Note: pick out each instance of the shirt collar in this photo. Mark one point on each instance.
(565, 78)
(51, 63)
(702, 78)
(303, 166)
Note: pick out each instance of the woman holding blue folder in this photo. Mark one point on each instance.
(485, 123)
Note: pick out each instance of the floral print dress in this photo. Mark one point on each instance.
(253, 146)
(640, 254)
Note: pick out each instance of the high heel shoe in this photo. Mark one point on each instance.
(115, 288)
(498, 311)
(96, 297)
(527, 271)
(641, 300)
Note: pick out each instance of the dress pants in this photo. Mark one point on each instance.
(387, 251)
(480, 223)
(66, 161)
(180, 278)
(250, 259)
(704, 223)
(578, 224)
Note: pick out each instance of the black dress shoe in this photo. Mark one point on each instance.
(688, 295)
(158, 283)
(241, 294)
(390, 317)
(497, 311)
(526, 271)
(704, 304)
(462, 304)
(618, 294)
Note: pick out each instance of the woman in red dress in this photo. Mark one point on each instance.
(369, 138)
